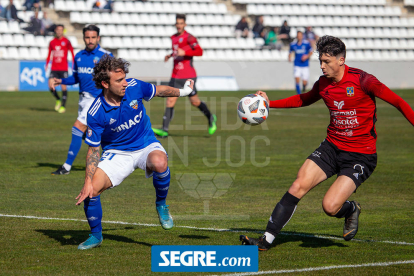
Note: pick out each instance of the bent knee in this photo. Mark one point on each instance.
(330, 208)
(298, 188)
(159, 164)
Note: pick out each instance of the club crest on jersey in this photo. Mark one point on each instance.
(350, 91)
(180, 40)
(95, 60)
(134, 104)
(89, 132)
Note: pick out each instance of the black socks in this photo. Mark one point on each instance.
(282, 213)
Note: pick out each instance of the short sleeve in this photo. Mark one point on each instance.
(147, 89)
(292, 49)
(95, 125)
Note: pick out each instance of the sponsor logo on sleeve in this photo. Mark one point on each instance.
(89, 132)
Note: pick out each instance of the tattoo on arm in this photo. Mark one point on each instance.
(167, 91)
(92, 160)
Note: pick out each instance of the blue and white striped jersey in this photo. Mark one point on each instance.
(83, 69)
(126, 127)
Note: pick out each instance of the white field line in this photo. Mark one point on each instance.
(326, 237)
(309, 269)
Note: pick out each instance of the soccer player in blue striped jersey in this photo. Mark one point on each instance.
(117, 122)
(84, 62)
(303, 50)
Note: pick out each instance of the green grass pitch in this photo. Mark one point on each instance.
(261, 161)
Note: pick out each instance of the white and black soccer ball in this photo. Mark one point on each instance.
(253, 109)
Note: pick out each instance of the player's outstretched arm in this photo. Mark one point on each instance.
(168, 91)
(373, 86)
(301, 100)
(92, 160)
(393, 99)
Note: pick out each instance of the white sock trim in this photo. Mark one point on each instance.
(67, 166)
(269, 237)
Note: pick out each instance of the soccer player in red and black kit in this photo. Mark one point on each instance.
(349, 150)
(185, 47)
(59, 48)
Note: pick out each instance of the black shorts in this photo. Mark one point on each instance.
(179, 83)
(58, 74)
(331, 160)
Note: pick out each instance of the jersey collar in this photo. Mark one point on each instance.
(94, 51)
(109, 107)
(177, 35)
(343, 77)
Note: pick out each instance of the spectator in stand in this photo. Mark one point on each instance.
(109, 6)
(47, 25)
(310, 36)
(35, 24)
(284, 33)
(10, 12)
(258, 28)
(97, 4)
(242, 28)
(272, 40)
(32, 5)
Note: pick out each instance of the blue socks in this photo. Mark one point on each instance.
(93, 212)
(161, 182)
(298, 88)
(75, 146)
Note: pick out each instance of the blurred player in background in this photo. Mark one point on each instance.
(349, 150)
(59, 48)
(84, 62)
(302, 50)
(117, 121)
(185, 47)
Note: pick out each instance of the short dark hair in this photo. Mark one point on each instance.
(59, 25)
(180, 16)
(330, 45)
(106, 65)
(299, 32)
(91, 28)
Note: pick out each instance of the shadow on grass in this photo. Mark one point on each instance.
(55, 166)
(75, 237)
(185, 135)
(42, 109)
(194, 237)
(308, 240)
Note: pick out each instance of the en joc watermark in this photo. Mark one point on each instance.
(204, 258)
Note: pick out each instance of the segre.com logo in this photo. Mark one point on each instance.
(204, 258)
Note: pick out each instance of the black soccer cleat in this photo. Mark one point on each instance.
(260, 242)
(351, 222)
(60, 171)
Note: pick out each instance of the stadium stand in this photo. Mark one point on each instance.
(371, 29)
